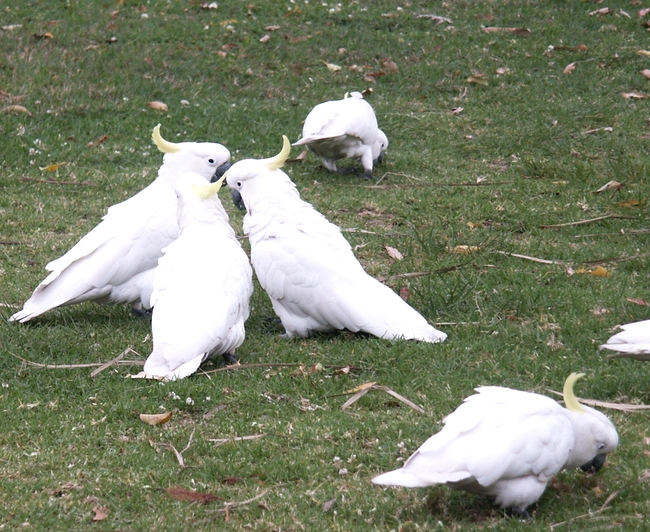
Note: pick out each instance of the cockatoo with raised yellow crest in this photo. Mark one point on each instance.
(115, 261)
(308, 268)
(201, 287)
(632, 342)
(508, 444)
(345, 128)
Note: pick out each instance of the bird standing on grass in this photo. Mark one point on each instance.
(201, 287)
(308, 268)
(342, 129)
(115, 261)
(507, 444)
(632, 342)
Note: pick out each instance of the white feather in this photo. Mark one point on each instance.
(114, 262)
(633, 341)
(201, 289)
(506, 444)
(308, 268)
(342, 129)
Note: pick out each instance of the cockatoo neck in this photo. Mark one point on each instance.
(203, 211)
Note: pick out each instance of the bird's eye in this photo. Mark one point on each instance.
(211, 161)
(238, 184)
(601, 446)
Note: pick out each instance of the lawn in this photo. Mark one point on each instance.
(505, 121)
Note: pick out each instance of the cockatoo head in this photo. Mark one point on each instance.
(196, 196)
(379, 147)
(252, 178)
(595, 435)
(208, 159)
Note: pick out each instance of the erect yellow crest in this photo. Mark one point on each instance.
(163, 145)
(277, 162)
(207, 190)
(569, 397)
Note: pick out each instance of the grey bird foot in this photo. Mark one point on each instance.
(518, 513)
(230, 359)
(142, 312)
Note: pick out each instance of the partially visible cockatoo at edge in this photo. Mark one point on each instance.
(507, 444)
(308, 268)
(633, 341)
(115, 261)
(202, 286)
(345, 128)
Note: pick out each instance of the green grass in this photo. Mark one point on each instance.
(70, 442)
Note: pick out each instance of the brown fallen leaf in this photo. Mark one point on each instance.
(477, 78)
(602, 11)
(610, 185)
(389, 66)
(265, 38)
(371, 77)
(20, 109)
(185, 495)
(636, 301)
(643, 52)
(464, 249)
(569, 68)
(99, 141)
(599, 272)
(515, 31)
(393, 253)
(331, 66)
(272, 28)
(156, 419)
(100, 513)
(52, 167)
(629, 203)
(634, 95)
(643, 12)
(328, 505)
(404, 293)
(646, 72)
(158, 106)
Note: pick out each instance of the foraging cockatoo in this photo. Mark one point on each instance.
(632, 342)
(115, 261)
(342, 129)
(201, 287)
(507, 444)
(307, 267)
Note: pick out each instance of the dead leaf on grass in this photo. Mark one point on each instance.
(185, 495)
(404, 293)
(569, 68)
(515, 31)
(265, 38)
(602, 11)
(643, 12)
(478, 78)
(629, 203)
(644, 52)
(638, 301)
(100, 513)
(464, 249)
(20, 109)
(52, 167)
(328, 505)
(156, 419)
(634, 95)
(394, 253)
(610, 185)
(436, 18)
(158, 106)
(599, 272)
(331, 66)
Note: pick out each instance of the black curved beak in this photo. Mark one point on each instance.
(594, 465)
(219, 173)
(237, 200)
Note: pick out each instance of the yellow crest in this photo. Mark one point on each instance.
(569, 397)
(163, 145)
(277, 162)
(207, 190)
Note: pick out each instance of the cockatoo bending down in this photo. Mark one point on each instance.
(633, 341)
(115, 261)
(307, 267)
(342, 129)
(507, 444)
(201, 287)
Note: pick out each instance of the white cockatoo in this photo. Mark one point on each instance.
(507, 444)
(632, 342)
(307, 267)
(115, 261)
(345, 128)
(201, 287)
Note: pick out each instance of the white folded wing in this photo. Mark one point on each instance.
(633, 341)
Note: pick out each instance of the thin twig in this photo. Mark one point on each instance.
(112, 362)
(590, 514)
(534, 259)
(622, 232)
(417, 185)
(76, 366)
(222, 441)
(590, 221)
(618, 259)
(276, 365)
(8, 243)
(55, 182)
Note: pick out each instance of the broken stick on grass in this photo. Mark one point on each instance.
(590, 221)
(363, 389)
